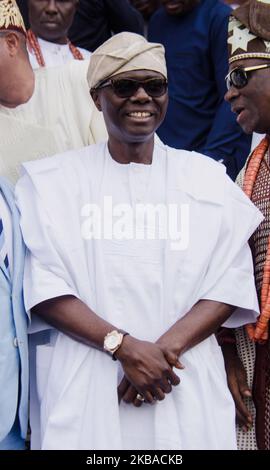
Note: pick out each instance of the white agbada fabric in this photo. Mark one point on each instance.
(141, 286)
(55, 54)
(21, 141)
(256, 139)
(59, 116)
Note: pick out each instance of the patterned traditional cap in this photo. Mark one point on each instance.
(249, 31)
(125, 52)
(10, 17)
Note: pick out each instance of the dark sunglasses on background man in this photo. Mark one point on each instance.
(127, 87)
(239, 76)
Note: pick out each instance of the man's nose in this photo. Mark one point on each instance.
(231, 94)
(141, 95)
(51, 7)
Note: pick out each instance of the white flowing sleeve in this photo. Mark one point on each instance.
(87, 117)
(45, 276)
(230, 275)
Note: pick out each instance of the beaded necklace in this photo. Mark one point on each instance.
(34, 47)
(259, 331)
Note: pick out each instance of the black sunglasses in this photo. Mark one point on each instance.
(127, 87)
(239, 76)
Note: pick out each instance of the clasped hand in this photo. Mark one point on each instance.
(148, 369)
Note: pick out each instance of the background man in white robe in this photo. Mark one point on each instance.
(41, 112)
(93, 286)
(48, 42)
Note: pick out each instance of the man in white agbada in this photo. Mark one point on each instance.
(42, 112)
(48, 43)
(97, 269)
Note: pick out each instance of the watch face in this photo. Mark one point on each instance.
(112, 341)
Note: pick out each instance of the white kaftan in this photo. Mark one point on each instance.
(142, 286)
(59, 116)
(55, 54)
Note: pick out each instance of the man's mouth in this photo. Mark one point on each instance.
(140, 114)
(238, 110)
(172, 7)
(54, 23)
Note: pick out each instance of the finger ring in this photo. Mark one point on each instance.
(139, 397)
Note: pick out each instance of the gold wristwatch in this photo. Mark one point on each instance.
(113, 341)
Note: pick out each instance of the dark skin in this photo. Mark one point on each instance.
(251, 104)
(131, 139)
(143, 362)
(200, 322)
(179, 7)
(51, 19)
(146, 7)
(237, 383)
(148, 367)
